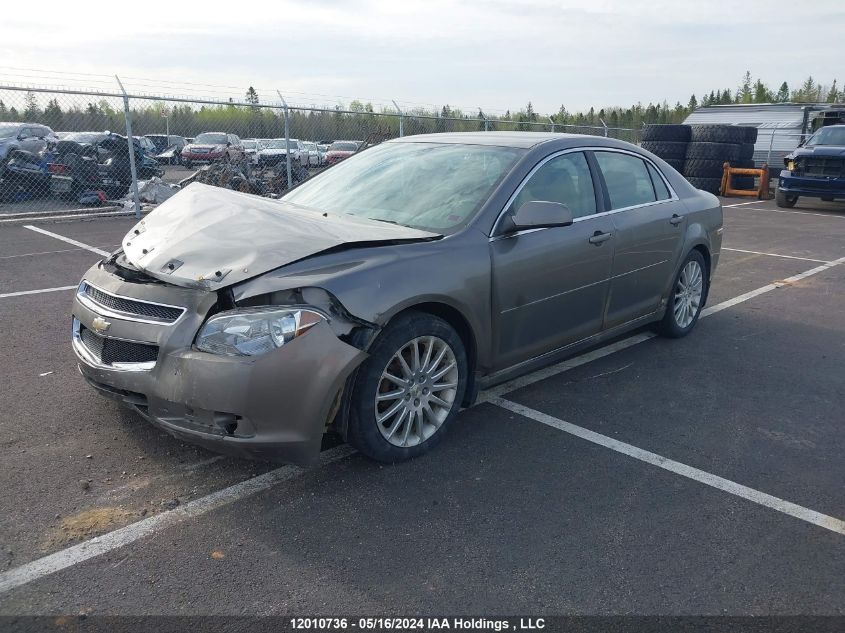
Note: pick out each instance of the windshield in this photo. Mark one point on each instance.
(249, 144)
(394, 182)
(278, 143)
(211, 138)
(343, 146)
(828, 136)
(85, 137)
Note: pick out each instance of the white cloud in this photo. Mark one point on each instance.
(496, 54)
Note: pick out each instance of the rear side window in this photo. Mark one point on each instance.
(564, 179)
(660, 187)
(627, 179)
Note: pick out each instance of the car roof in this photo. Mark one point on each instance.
(524, 140)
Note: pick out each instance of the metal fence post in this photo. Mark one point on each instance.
(287, 138)
(131, 141)
(605, 127)
(771, 144)
(552, 121)
(401, 119)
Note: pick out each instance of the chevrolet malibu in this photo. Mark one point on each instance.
(382, 295)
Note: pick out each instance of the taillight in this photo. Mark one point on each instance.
(57, 168)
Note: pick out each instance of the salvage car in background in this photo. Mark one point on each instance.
(815, 170)
(369, 300)
(29, 137)
(339, 150)
(211, 146)
(101, 166)
(168, 147)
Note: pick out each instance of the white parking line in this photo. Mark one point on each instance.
(742, 204)
(769, 210)
(66, 250)
(806, 259)
(35, 292)
(156, 523)
(787, 507)
(87, 247)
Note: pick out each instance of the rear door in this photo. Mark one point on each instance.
(550, 284)
(649, 222)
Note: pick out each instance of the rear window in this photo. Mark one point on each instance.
(660, 187)
(210, 138)
(343, 146)
(627, 179)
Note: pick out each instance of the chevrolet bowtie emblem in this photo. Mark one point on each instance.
(100, 324)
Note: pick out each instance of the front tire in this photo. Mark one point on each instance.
(409, 390)
(785, 201)
(689, 292)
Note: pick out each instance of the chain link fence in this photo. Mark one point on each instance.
(69, 150)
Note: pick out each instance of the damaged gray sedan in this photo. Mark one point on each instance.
(380, 296)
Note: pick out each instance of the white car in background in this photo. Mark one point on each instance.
(251, 149)
(274, 150)
(315, 156)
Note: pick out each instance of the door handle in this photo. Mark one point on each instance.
(598, 237)
(675, 220)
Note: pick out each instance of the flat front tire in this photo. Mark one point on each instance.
(409, 390)
(686, 300)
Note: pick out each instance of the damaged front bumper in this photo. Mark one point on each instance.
(275, 406)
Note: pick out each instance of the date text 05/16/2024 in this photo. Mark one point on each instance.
(416, 624)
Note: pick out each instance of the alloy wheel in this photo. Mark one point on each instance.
(416, 391)
(688, 293)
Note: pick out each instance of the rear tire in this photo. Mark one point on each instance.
(677, 133)
(719, 134)
(403, 401)
(666, 149)
(687, 298)
(785, 200)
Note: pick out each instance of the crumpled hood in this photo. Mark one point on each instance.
(211, 237)
(819, 150)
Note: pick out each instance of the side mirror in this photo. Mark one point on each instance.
(538, 214)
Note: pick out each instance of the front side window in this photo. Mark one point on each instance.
(432, 186)
(565, 179)
(627, 179)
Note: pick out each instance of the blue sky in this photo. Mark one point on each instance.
(498, 54)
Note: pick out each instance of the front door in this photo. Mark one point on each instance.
(550, 285)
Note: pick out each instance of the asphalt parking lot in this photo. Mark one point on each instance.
(686, 477)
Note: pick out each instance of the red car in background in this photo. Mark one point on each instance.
(340, 150)
(211, 146)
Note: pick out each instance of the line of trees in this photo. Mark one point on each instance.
(255, 121)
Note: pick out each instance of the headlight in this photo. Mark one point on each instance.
(790, 165)
(255, 332)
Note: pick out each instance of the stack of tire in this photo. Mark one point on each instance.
(710, 147)
(669, 142)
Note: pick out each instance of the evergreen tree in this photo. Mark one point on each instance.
(480, 117)
(762, 94)
(31, 112)
(692, 104)
(745, 93)
(783, 93)
(833, 95)
(53, 115)
(251, 96)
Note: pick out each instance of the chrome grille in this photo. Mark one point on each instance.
(131, 309)
(108, 351)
